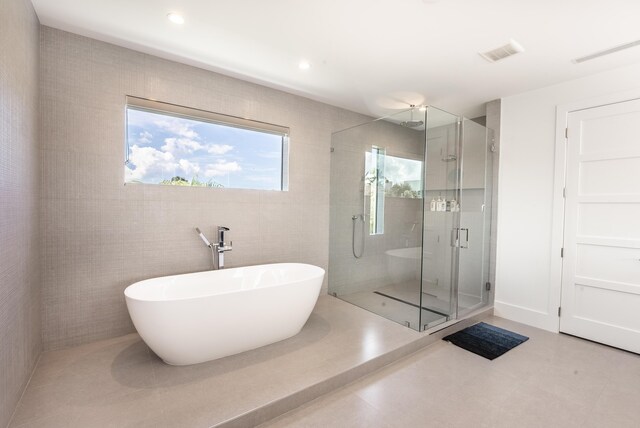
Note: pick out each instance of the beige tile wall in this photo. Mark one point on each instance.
(20, 339)
(100, 235)
(347, 274)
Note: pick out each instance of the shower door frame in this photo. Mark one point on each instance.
(456, 223)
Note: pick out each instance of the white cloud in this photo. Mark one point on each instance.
(179, 127)
(145, 137)
(400, 170)
(149, 162)
(187, 145)
(221, 167)
(189, 168)
(219, 149)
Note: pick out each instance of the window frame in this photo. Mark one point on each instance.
(191, 113)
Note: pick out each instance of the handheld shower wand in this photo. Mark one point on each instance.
(204, 238)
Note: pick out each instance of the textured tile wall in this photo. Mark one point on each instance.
(100, 235)
(20, 339)
(403, 217)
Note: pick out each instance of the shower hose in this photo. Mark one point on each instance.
(354, 219)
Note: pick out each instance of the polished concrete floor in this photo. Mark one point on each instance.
(121, 383)
(551, 380)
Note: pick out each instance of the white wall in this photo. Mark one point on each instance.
(526, 288)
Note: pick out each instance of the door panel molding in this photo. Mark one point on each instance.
(622, 287)
(558, 211)
(600, 283)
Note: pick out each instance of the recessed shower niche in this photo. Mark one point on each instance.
(411, 216)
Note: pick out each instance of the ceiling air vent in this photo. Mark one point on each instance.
(503, 52)
(606, 52)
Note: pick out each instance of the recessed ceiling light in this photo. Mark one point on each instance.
(304, 65)
(176, 18)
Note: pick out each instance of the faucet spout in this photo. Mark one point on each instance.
(218, 249)
(222, 246)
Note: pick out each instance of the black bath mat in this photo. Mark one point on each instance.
(486, 340)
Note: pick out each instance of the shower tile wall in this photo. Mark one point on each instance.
(403, 216)
(20, 341)
(100, 236)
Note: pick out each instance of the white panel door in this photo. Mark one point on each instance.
(601, 267)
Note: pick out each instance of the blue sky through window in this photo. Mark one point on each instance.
(162, 147)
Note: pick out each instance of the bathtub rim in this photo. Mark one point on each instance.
(398, 252)
(316, 271)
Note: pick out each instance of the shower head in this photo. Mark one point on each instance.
(412, 123)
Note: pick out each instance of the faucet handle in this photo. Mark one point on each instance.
(221, 232)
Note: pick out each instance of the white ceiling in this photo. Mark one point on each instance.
(370, 56)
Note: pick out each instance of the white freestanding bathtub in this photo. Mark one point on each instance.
(197, 317)
(403, 264)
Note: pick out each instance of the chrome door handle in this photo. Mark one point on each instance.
(466, 239)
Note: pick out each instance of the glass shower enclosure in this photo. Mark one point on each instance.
(411, 216)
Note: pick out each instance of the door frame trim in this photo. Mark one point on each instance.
(559, 179)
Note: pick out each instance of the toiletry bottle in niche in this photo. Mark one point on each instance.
(432, 206)
(443, 204)
(439, 204)
(448, 205)
(454, 205)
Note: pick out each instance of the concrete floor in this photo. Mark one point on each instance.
(120, 383)
(551, 380)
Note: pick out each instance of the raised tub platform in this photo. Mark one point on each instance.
(120, 382)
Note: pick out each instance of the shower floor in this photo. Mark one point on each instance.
(399, 303)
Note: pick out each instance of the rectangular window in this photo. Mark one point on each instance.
(389, 176)
(375, 182)
(180, 146)
(403, 177)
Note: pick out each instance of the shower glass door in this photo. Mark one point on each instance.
(457, 217)
(410, 218)
(375, 241)
(475, 218)
(441, 218)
